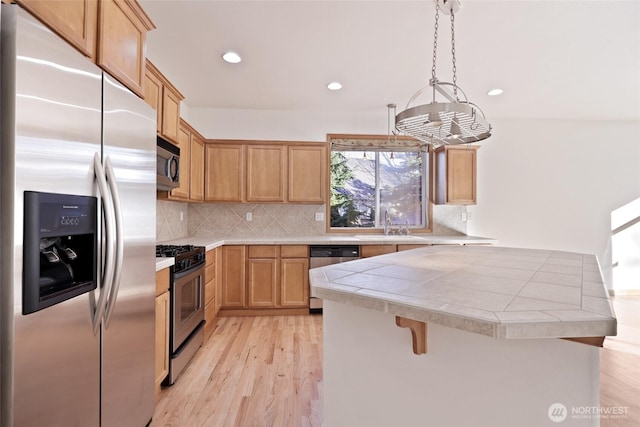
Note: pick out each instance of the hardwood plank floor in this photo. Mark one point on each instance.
(620, 365)
(267, 371)
(253, 371)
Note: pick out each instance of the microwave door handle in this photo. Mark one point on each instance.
(119, 243)
(109, 257)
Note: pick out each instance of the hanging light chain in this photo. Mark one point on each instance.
(453, 55)
(435, 43)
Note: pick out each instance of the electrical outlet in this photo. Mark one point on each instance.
(181, 216)
(319, 216)
(249, 216)
(464, 216)
(468, 216)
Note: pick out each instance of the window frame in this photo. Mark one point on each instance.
(428, 182)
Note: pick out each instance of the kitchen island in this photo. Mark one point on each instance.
(498, 337)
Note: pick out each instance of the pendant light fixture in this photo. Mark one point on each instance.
(449, 121)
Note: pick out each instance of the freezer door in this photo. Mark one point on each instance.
(128, 340)
(51, 116)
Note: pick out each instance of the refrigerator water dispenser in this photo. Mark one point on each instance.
(59, 248)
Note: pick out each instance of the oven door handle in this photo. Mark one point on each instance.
(119, 243)
(109, 256)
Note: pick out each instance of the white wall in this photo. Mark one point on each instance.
(548, 184)
(553, 184)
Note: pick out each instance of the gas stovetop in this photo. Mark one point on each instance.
(185, 256)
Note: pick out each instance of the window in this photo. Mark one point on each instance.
(369, 179)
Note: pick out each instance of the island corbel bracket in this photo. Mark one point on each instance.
(594, 341)
(418, 333)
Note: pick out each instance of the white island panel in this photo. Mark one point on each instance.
(372, 378)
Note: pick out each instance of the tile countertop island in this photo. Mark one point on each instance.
(485, 325)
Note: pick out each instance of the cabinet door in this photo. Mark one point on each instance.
(266, 168)
(209, 319)
(75, 21)
(294, 282)
(153, 93)
(184, 142)
(456, 175)
(196, 184)
(122, 34)
(307, 174)
(233, 276)
(170, 114)
(218, 278)
(262, 282)
(224, 173)
(162, 337)
(375, 250)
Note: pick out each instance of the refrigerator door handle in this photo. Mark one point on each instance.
(109, 258)
(117, 210)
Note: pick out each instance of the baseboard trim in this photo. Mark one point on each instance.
(624, 292)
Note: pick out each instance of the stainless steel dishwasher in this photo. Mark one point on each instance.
(323, 255)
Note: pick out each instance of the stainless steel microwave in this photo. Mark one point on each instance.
(168, 165)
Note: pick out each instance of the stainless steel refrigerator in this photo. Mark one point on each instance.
(77, 234)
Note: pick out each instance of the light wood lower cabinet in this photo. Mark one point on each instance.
(277, 277)
(210, 294)
(162, 327)
(294, 282)
(375, 250)
(233, 276)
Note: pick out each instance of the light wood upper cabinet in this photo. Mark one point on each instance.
(456, 175)
(122, 37)
(162, 95)
(75, 21)
(276, 172)
(307, 174)
(112, 33)
(184, 139)
(225, 171)
(196, 169)
(266, 172)
(170, 113)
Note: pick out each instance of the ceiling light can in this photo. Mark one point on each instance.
(231, 57)
(334, 86)
(495, 92)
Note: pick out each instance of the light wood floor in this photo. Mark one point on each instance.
(253, 371)
(267, 371)
(620, 364)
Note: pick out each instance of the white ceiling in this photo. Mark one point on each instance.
(554, 59)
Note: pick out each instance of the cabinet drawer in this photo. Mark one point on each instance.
(294, 251)
(375, 250)
(263, 251)
(209, 319)
(209, 273)
(209, 291)
(162, 281)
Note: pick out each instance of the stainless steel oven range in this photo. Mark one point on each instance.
(186, 330)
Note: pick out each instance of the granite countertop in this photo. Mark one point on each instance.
(501, 292)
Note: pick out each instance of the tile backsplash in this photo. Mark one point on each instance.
(268, 220)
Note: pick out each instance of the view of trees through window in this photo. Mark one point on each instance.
(365, 184)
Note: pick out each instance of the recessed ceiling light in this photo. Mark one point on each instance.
(231, 57)
(334, 86)
(495, 92)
